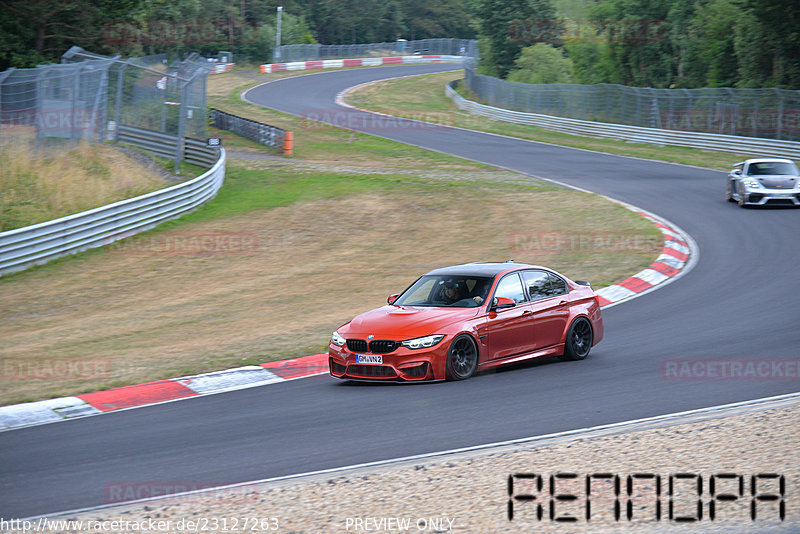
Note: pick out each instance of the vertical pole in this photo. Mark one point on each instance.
(37, 116)
(75, 89)
(118, 111)
(277, 54)
(182, 109)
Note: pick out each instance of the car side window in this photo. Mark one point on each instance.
(511, 287)
(537, 283)
(557, 285)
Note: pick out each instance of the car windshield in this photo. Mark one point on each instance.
(772, 168)
(446, 290)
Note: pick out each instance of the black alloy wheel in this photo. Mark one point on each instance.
(462, 359)
(579, 340)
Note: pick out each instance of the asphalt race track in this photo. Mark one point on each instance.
(739, 302)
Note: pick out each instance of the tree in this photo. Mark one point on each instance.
(767, 43)
(45, 29)
(508, 25)
(542, 63)
(711, 54)
(639, 42)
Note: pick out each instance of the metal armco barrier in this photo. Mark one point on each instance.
(193, 150)
(34, 245)
(635, 134)
(255, 131)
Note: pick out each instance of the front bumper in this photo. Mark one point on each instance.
(401, 365)
(771, 197)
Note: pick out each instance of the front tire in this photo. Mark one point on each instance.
(462, 358)
(729, 192)
(579, 340)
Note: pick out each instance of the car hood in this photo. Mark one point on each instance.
(777, 181)
(406, 322)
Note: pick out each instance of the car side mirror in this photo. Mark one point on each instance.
(737, 171)
(500, 303)
(392, 298)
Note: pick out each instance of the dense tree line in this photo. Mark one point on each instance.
(665, 43)
(668, 43)
(39, 31)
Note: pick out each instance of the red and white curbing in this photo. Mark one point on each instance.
(52, 410)
(359, 62)
(679, 253)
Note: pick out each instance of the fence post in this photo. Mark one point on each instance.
(118, 111)
(182, 109)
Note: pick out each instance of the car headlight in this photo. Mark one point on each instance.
(422, 342)
(751, 184)
(338, 340)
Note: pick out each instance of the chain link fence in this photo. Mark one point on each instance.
(89, 97)
(311, 52)
(766, 113)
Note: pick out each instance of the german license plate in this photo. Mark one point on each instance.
(369, 358)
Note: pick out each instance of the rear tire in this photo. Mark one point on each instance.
(579, 340)
(462, 358)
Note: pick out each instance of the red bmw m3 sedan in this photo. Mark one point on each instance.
(455, 321)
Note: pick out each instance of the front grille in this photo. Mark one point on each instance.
(382, 346)
(755, 197)
(780, 202)
(357, 345)
(377, 371)
(336, 367)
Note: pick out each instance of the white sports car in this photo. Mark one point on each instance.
(764, 182)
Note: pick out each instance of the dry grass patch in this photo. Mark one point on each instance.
(56, 182)
(155, 307)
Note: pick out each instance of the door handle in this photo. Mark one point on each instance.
(527, 312)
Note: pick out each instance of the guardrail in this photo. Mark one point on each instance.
(37, 244)
(161, 144)
(255, 131)
(634, 134)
